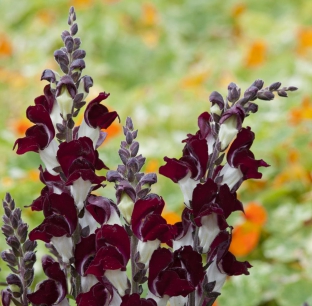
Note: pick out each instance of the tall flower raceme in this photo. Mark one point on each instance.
(209, 185)
(94, 241)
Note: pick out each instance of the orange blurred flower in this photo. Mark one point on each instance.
(113, 130)
(245, 238)
(195, 80)
(256, 54)
(6, 48)
(152, 166)
(81, 3)
(149, 14)
(303, 112)
(171, 217)
(246, 235)
(256, 213)
(20, 126)
(304, 38)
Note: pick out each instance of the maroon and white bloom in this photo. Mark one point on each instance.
(241, 164)
(222, 262)
(230, 124)
(52, 291)
(65, 94)
(40, 137)
(174, 274)
(189, 169)
(96, 117)
(134, 299)
(150, 227)
(79, 160)
(112, 247)
(59, 224)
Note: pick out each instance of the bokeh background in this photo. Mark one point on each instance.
(160, 60)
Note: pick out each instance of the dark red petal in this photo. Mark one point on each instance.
(96, 296)
(134, 299)
(36, 139)
(46, 294)
(192, 262)
(203, 194)
(174, 169)
(80, 148)
(228, 201)
(114, 235)
(106, 258)
(100, 208)
(171, 284)
(97, 115)
(160, 259)
(233, 267)
(84, 252)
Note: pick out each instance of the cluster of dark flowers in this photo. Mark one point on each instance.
(92, 240)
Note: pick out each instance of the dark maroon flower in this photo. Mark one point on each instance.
(112, 256)
(222, 262)
(184, 230)
(241, 164)
(98, 115)
(102, 209)
(82, 148)
(39, 136)
(134, 299)
(84, 253)
(147, 222)
(98, 295)
(53, 290)
(175, 274)
(240, 156)
(60, 218)
(230, 124)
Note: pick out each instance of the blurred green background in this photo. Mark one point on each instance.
(160, 60)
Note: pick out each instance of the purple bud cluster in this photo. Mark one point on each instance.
(20, 257)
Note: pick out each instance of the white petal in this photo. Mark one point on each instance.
(64, 246)
(208, 231)
(160, 301)
(228, 130)
(65, 102)
(118, 279)
(88, 220)
(114, 217)
(48, 156)
(230, 175)
(87, 282)
(79, 191)
(187, 186)
(63, 303)
(126, 206)
(177, 301)
(146, 250)
(116, 301)
(85, 130)
(210, 142)
(214, 274)
(55, 115)
(186, 240)
(215, 109)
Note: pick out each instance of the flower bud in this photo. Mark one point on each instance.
(65, 93)
(228, 131)
(84, 85)
(126, 206)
